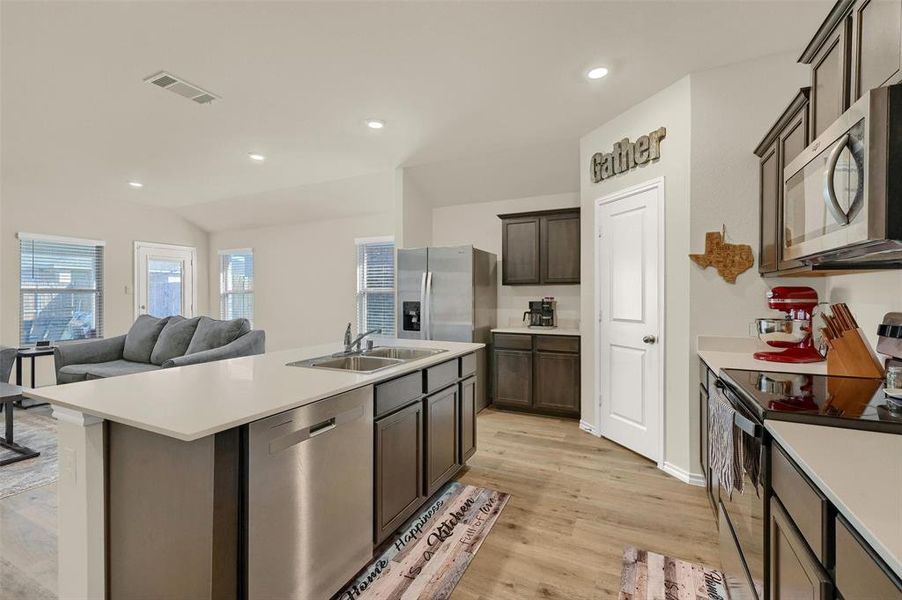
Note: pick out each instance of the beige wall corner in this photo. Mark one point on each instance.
(668, 108)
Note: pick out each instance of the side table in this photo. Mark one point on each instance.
(10, 394)
(31, 353)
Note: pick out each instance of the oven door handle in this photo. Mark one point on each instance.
(747, 425)
(739, 420)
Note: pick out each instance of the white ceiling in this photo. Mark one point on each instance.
(459, 82)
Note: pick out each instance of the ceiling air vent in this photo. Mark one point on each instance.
(170, 82)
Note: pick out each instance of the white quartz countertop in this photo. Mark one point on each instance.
(860, 472)
(195, 401)
(738, 353)
(537, 330)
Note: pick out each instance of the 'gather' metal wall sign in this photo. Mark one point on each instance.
(627, 155)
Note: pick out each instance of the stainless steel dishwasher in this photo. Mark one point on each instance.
(310, 498)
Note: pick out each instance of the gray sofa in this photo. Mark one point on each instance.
(153, 344)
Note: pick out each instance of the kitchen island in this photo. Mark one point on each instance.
(175, 483)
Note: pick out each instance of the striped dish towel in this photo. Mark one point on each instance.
(724, 454)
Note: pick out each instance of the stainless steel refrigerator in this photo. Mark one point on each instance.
(449, 294)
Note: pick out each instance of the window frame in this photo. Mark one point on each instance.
(98, 290)
(253, 287)
(363, 293)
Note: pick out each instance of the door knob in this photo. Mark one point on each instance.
(649, 339)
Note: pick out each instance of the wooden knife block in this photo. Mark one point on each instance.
(851, 355)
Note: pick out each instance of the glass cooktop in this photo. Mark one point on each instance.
(820, 399)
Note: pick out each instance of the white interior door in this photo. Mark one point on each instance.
(165, 280)
(629, 303)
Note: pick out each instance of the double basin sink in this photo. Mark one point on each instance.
(368, 361)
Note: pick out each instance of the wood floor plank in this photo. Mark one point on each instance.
(576, 503)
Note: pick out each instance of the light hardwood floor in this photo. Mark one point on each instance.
(576, 502)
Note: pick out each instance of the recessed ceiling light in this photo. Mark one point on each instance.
(597, 73)
(136, 184)
(257, 157)
(375, 123)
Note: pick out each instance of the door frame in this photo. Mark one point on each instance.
(653, 184)
(160, 246)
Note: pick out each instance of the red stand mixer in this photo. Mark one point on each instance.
(792, 333)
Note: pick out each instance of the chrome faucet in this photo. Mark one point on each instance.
(351, 344)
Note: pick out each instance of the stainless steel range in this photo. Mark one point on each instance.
(753, 396)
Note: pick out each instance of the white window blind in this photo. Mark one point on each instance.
(376, 285)
(236, 287)
(60, 289)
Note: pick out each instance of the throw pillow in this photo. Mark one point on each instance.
(142, 337)
(211, 333)
(174, 339)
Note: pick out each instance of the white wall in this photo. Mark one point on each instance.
(714, 120)
(119, 223)
(305, 283)
(732, 109)
(478, 224)
(416, 213)
(869, 296)
(668, 108)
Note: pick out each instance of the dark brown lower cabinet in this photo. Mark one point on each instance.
(442, 439)
(557, 382)
(399, 468)
(537, 373)
(795, 573)
(467, 419)
(513, 378)
(858, 572)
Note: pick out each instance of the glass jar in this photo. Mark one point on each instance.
(894, 378)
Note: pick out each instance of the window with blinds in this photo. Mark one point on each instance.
(376, 285)
(60, 289)
(236, 284)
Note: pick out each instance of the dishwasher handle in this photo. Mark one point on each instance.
(308, 433)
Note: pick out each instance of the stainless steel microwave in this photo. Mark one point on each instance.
(842, 196)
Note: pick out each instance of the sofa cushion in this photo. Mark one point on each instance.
(212, 333)
(113, 368)
(174, 339)
(71, 374)
(142, 337)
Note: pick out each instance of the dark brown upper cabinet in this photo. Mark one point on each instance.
(540, 247)
(876, 44)
(559, 244)
(858, 47)
(783, 142)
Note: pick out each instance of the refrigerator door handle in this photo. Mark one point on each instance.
(428, 321)
(423, 310)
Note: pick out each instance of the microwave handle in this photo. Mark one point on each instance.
(830, 196)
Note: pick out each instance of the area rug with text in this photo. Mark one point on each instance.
(648, 575)
(433, 549)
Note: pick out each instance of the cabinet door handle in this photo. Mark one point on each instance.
(649, 339)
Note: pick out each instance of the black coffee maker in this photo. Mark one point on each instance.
(541, 313)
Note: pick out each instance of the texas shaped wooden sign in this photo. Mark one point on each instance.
(729, 259)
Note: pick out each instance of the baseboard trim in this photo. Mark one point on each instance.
(588, 428)
(685, 476)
